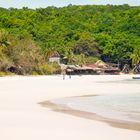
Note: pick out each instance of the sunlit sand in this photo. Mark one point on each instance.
(23, 118)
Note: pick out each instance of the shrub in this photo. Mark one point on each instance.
(3, 73)
(46, 69)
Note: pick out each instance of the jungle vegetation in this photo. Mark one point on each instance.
(83, 34)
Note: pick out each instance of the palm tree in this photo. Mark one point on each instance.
(136, 55)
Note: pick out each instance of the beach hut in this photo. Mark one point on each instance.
(101, 64)
(54, 57)
(95, 68)
(103, 68)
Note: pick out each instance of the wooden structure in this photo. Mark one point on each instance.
(105, 68)
(78, 70)
(111, 69)
(97, 68)
(126, 69)
(54, 57)
(136, 69)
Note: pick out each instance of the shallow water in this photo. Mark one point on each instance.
(126, 81)
(119, 106)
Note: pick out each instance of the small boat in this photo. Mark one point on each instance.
(136, 77)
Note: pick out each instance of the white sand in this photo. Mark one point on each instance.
(21, 118)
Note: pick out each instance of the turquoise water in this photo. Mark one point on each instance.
(121, 107)
(117, 106)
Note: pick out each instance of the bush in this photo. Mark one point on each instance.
(91, 60)
(46, 69)
(3, 73)
(34, 73)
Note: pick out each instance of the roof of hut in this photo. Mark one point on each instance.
(54, 54)
(100, 63)
(91, 65)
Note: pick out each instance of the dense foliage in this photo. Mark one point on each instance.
(80, 33)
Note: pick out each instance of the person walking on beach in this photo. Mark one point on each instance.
(69, 71)
(63, 70)
(64, 73)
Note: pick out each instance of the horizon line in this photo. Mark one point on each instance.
(71, 5)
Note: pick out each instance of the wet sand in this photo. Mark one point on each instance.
(92, 116)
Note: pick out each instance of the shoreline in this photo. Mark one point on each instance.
(92, 116)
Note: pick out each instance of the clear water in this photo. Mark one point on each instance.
(120, 107)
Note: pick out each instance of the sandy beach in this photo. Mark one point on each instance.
(23, 117)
